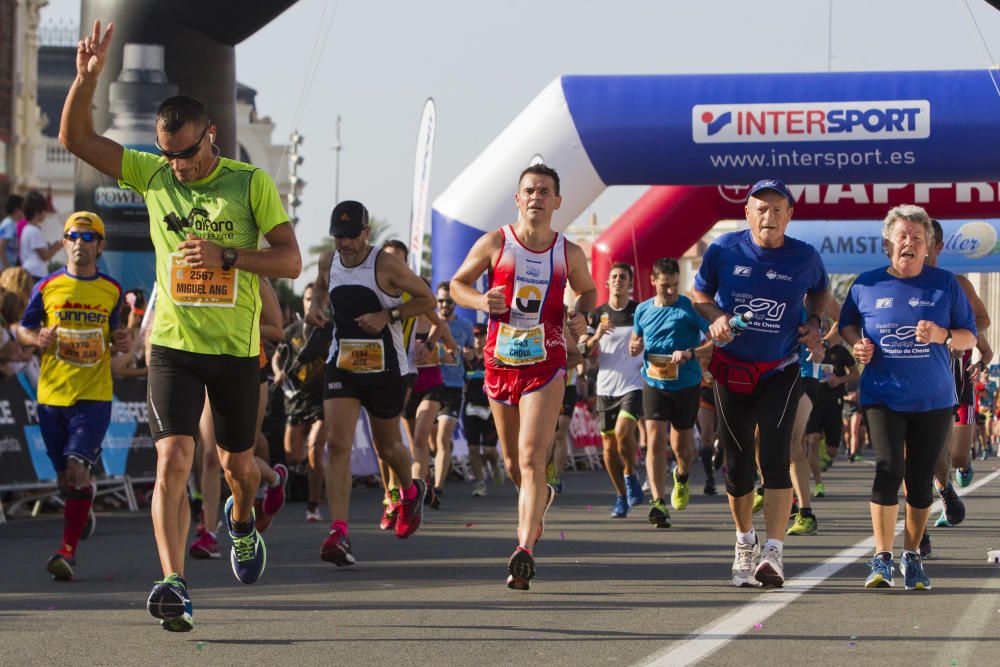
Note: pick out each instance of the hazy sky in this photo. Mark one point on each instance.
(483, 62)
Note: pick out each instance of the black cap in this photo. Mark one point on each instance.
(349, 218)
(772, 184)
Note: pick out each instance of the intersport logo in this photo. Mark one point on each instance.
(811, 121)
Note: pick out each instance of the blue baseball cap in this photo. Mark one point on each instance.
(772, 184)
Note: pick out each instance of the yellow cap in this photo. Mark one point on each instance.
(85, 219)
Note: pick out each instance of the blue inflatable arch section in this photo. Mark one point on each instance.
(596, 131)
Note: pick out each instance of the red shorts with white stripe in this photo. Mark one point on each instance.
(965, 414)
(508, 385)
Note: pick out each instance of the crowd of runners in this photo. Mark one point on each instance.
(758, 374)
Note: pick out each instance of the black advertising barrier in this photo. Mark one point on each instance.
(17, 412)
(127, 448)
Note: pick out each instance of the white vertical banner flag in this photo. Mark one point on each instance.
(421, 184)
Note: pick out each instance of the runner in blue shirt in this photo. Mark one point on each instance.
(901, 321)
(773, 277)
(450, 393)
(666, 331)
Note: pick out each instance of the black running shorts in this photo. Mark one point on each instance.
(679, 408)
(177, 383)
(451, 401)
(612, 407)
(380, 394)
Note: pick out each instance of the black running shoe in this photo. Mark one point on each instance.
(437, 494)
(954, 508)
(925, 545)
(718, 456)
(520, 569)
(169, 602)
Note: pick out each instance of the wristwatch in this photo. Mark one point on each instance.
(229, 256)
(947, 341)
(394, 316)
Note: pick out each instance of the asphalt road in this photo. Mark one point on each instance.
(607, 592)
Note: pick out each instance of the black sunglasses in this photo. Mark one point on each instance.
(347, 236)
(446, 301)
(190, 151)
(88, 237)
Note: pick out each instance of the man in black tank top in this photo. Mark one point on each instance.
(366, 365)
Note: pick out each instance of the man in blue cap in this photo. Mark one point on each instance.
(779, 286)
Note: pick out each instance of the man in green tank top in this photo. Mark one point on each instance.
(207, 215)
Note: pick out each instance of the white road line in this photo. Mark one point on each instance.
(711, 637)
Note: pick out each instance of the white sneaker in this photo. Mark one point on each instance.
(479, 489)
(314, 516)
(771, 570)
(744, 563)
(500, 475)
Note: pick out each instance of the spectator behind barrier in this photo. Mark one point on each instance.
(13, 356)
(17, 280)
(8, 231)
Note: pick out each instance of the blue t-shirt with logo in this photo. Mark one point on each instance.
(904, 375)
(454, 373)
(666, 329)
(769, 282)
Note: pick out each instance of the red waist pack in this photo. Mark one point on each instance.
(737, 375)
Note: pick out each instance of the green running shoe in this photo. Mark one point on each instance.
(825, 460)
(804, 525)
(820, 490)
(659, 515)
(681, 494)
(758, 500)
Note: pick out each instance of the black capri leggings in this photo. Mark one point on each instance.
(924, 435)
(771, 407)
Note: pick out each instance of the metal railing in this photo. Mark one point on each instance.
(59, 33)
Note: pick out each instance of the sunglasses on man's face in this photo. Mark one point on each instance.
(188, 152)
(87, 237)
(446, 302)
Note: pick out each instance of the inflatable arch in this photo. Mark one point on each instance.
(931, 128)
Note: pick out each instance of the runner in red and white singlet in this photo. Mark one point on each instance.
(529, 265)
(525, 348)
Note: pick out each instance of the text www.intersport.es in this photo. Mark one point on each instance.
(837, 159)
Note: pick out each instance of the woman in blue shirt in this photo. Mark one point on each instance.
(901, 320)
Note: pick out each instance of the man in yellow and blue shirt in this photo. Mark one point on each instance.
(72, 317)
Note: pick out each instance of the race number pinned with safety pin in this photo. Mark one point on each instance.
(361, 355)
(661, 367)
(520, 347)
(80, 347)
(190, 286)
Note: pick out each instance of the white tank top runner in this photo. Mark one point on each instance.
(355, 291)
